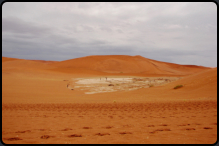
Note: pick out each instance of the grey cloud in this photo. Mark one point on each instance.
(16, 25)
(202, 58)
(119, 30)
(96, 43)
(106, 29)
(171, 32)
(83, 28)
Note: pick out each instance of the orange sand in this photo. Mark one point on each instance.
(37, 107)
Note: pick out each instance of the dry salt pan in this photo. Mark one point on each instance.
(97, 81)
(107, 84)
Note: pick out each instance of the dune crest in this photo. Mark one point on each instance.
(127, 64)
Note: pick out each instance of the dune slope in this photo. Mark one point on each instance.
(126, 64)
(201, 85)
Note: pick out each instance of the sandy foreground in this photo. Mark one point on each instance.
(38, 106)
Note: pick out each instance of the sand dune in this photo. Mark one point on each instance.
(201, 85)
(18, 64)
(105, 65)
(34, 73)
(4, 59)
(127, 64)
(202, 80)
(38, 107)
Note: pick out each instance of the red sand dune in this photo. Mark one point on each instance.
(4, 59)
(201, 85)
(117, 64)
(126, 64)
(37, 107)
(24, 64)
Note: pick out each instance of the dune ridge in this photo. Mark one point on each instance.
(126, 64)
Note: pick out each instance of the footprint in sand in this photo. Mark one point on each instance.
(66, 129)
(197, 124)
(102, 134)
(155, 131)
(87, 127)
(108, 127)
(150, 125)
(208, 128)
(125, 133)
(23, 131)
(163, 130)
(163, 125)
(183, 125)
(75, 135)
(190, 128)
(13, 138)
(46, 136)
(41, 129)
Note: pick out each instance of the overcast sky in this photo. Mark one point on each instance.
(182, 33)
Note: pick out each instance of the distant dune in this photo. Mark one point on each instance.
(23, 64)
(4, 59)
(110, 64)
(126, 64)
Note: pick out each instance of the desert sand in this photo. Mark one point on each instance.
(72, 101)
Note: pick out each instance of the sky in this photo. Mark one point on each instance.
(175, 32)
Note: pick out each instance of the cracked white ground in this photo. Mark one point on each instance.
(112, 84)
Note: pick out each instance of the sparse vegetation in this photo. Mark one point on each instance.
(178, 86)
(151, 85)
